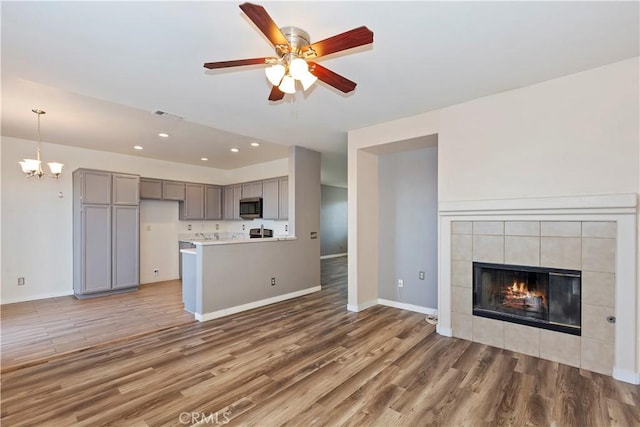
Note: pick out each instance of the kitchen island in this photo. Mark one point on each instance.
(226, 276)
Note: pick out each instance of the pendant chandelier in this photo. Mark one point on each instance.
(33, 167)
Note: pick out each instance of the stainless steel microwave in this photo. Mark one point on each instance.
(251, 207)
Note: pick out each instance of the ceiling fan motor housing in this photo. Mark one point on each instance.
(297, 38)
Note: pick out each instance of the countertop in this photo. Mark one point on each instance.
(227, 239)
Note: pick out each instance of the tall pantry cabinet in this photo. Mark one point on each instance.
(106, 234)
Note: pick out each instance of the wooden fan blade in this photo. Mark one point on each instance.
(236, 63)
(276, 94)
(347, 40)
(333, 79)
(263, 21)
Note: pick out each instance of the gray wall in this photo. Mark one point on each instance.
(408, 226)
(333, 220)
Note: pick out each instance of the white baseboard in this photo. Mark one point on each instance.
(37, 297)
(361, 307)
(409, 307)
(249, 306)
(445, 332)
(333, 256)
(626, 376)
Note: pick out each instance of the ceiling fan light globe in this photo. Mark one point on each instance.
(307, 80)
(298, 68)
(288, 85)
(275, 73)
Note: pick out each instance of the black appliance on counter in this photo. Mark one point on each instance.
(251, 208)
(254, 233)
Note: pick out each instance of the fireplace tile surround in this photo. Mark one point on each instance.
(588, 246)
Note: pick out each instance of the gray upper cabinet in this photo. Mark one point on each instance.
(212, 202)
(173, 190)
(106, 232)
(95, 187)
(150, 188)
(252, 189)
(270, 195)
(231, 202)
(126, 189)
(283, 198)
(193, 205)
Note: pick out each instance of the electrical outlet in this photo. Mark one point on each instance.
(421, 275)
(286, 228)
(242, 227)
(20, 281)
(189, 227)
(217, 226)
(400, 283)
(155, 271)
(273, 281)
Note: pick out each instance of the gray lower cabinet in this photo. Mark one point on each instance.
(126, 252)
(212, 202)
(95, 256)
(231, 204)
(105, 235)
(193, 205)
(270, 196)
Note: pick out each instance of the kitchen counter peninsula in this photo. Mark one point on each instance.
(226, 276)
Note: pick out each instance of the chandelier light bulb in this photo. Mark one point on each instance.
(275, 73)
(288, 85)
(56, 168)
(298, 68)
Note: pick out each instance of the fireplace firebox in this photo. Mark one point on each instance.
(542, 297)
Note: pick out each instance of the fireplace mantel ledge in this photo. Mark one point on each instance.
(595, 204)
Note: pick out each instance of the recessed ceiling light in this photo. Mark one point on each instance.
(255, 144)
(137, 147)
(163, 135)
(204, 159)
(235, 150)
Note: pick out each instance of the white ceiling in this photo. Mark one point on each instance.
(101, 69)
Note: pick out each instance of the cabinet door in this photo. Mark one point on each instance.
(96, 187)
(193, 205)
(252, 189)
(212, 202)
(231, 205)
(150, 189)
(270, 199)
(126, 189)
(125, 247)
(283, 199)
(173, 190)
(96, 248)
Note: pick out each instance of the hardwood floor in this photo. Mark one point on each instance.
(39, 330)
(306, 362)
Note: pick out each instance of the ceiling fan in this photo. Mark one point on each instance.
(295, 55)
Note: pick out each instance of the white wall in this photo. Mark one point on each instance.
(576, 135)
(408, 226)
(37, 224)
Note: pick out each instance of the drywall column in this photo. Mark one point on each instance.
(363, 230)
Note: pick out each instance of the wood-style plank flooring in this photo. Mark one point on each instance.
(309, 361)
(42, 329)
